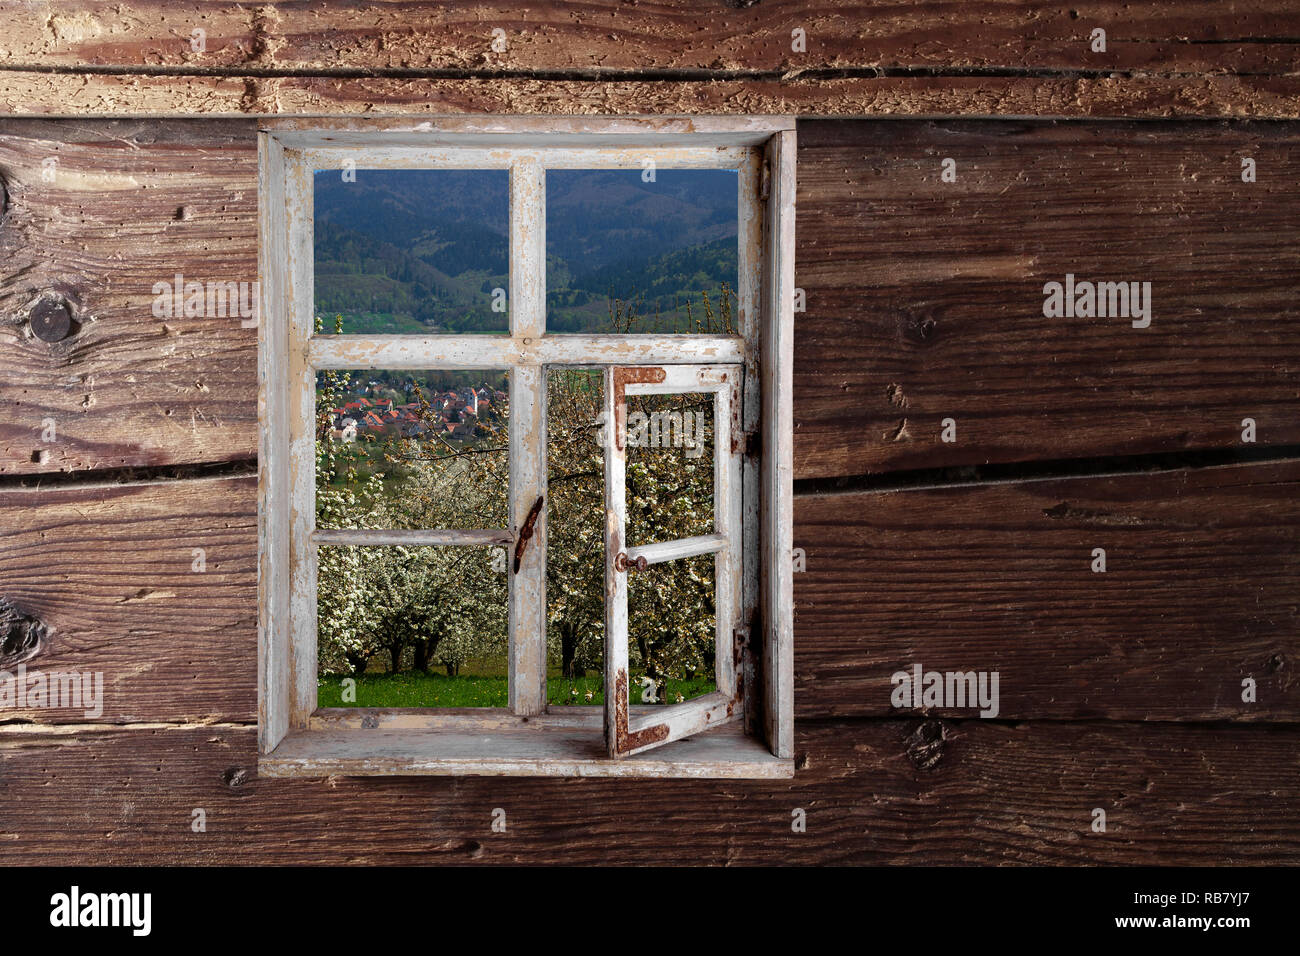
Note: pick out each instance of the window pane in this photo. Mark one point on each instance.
(414, 627)
(641, 250)
(412, 449)
(411, 250)
(670, 628)
(669, 467)
(669, 496)
(575, 528)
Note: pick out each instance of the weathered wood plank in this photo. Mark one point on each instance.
(1257, 36)
(98, 213)
(1103, 374)
(925, 298)
(1198, 594)
(34, 93)
(874, 791)
(113, 572)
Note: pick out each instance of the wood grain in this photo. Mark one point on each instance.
(120, 395)
(111, 570)
(1257, 36)
(1105, 94)
(123, 206)
(925, 298)
(874, 791)
(1198, 594)
(1118, 690)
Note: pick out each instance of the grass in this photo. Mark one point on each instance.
(414, 689)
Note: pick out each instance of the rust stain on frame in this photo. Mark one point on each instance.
(624, 740)
(740, 650)
(737, 418)
(623, 377)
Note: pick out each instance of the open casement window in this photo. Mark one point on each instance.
(694, 614)
(627, 732)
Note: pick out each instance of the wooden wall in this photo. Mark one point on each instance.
(1119, 691)
(858, 57)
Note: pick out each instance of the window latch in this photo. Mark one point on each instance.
(526, 531)
(622, 563)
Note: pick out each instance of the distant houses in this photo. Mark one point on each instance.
(456, 412)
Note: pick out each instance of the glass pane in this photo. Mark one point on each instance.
(411, 250)
(412, 449)
(669, 467)
(670, 628)
(575, 528)
(631, 250)
(413, 627)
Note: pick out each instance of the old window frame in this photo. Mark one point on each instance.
(296, 737)
(628, 733)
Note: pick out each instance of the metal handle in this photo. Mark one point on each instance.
(622, 563)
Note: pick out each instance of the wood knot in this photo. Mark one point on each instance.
(925, 744)
(917, 325)
(22, 636)
(235, 777)
(51, 318)
(918, 328)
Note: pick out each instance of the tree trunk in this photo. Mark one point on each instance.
(424, 654)
(568, 648)
(358, 663)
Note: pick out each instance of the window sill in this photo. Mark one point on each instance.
(552, 745)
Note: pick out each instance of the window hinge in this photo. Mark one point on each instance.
(526, 532)
(765, 181)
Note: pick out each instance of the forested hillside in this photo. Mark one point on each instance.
(427, 250)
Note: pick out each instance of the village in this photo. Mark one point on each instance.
(455, 413)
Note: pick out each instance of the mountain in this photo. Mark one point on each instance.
(419, 250)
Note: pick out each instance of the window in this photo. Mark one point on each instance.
(492, 351)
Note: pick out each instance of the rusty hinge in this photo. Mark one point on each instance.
(765, 181)
(740, 642)
(753, 443)
(526, 531)
(621, 562)
(739, 652)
